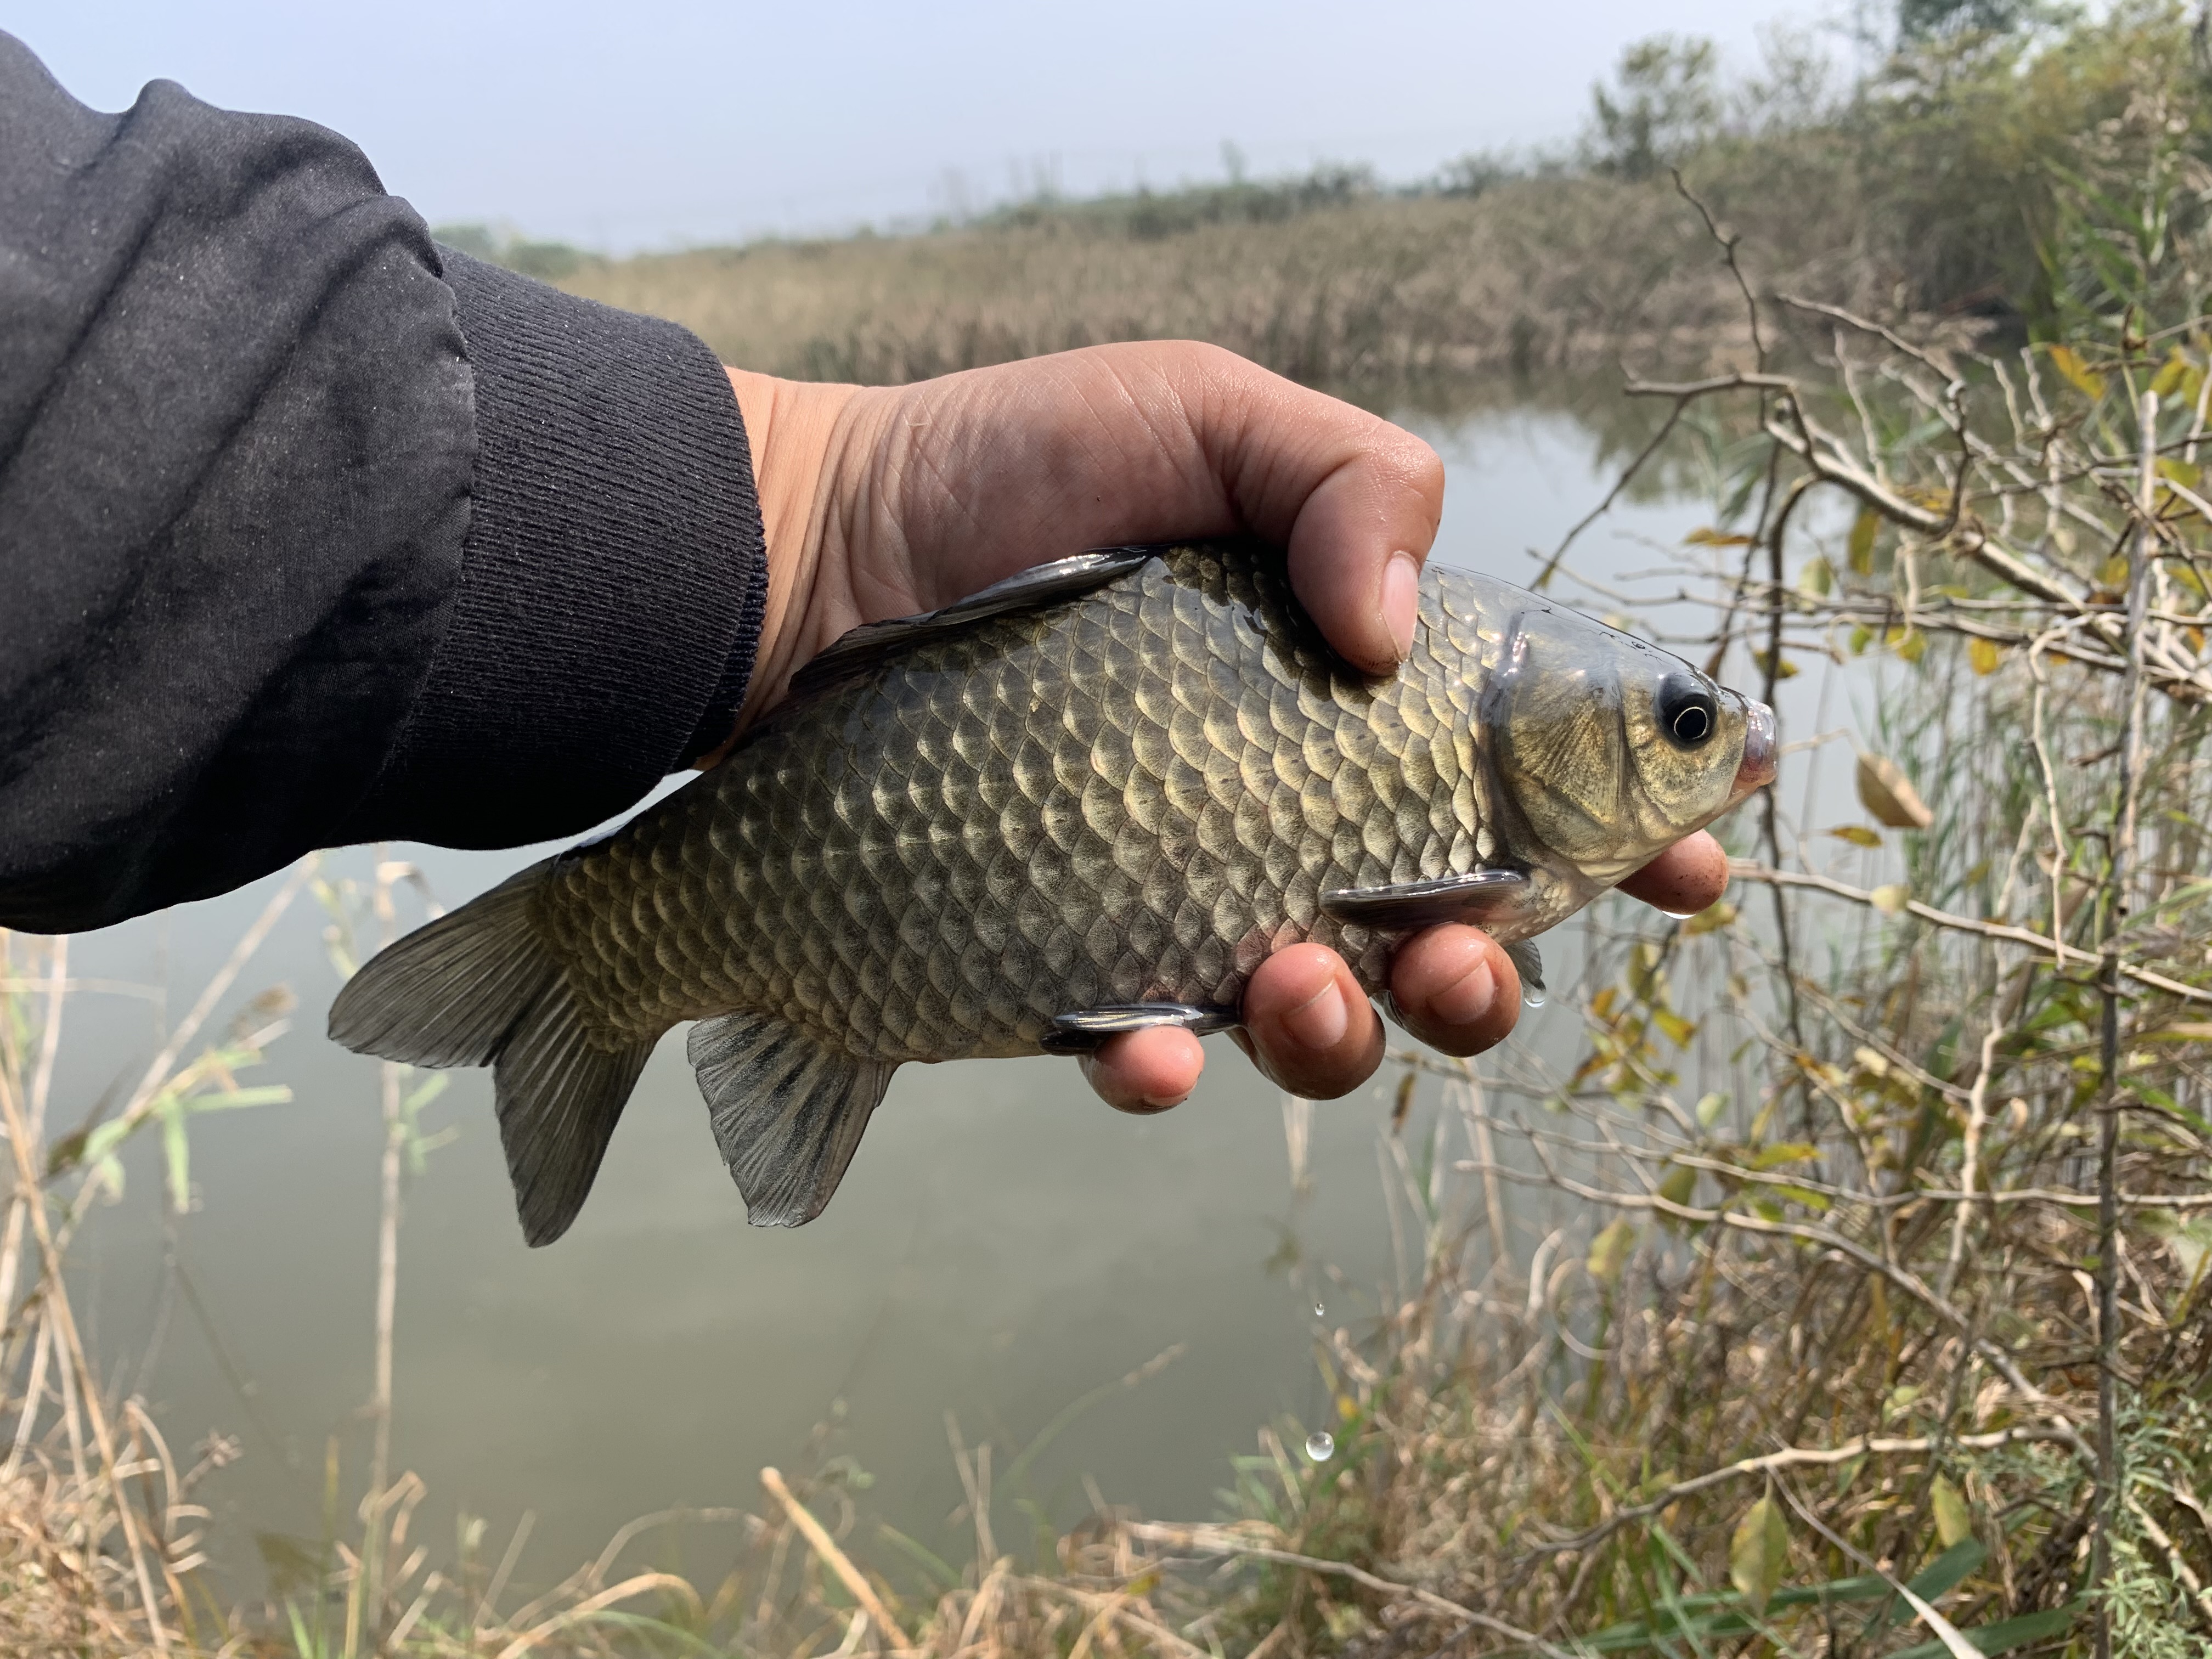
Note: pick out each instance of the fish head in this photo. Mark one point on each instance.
(1609, 748)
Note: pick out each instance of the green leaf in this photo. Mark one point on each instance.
(1863, 529)
(1679, 1185)
(1857, 834)
(268, 1094)
(1711, 919)
(426, 1091)
(1758, 1553)
(104, 1139)
(178, 1152)
(1709, 1110)
(1781, 1153)
(1954, 1521)
(1609, 1252)
(2006, 1634)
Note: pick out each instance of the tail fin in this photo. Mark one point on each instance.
(479, 987)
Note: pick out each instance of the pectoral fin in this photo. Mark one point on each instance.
(1083, 1032)
(788, 1111)
(1528, 962)
(1477, 898)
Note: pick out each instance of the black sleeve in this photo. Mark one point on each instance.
(313, 532)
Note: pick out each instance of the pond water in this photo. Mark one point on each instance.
(1003, 1245)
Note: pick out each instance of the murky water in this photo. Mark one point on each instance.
(1003, 1247)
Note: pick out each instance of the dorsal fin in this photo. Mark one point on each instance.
(859, 649)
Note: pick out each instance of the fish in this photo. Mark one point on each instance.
(1091, 799)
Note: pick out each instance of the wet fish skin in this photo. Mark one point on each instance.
(1132, 796)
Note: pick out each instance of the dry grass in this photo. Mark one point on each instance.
(1535, 275)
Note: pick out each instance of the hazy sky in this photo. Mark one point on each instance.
(661, 122)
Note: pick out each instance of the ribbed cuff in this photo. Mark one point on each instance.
(612, 589)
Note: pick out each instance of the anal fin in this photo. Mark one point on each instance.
(1084, 1030)
(787, 1110)
(559, 1094)
(1478, 896)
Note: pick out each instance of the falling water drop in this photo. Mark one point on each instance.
(1321, 1445)
(1320, 1311)
(1531, 996)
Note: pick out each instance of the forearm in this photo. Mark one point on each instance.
(309, 534)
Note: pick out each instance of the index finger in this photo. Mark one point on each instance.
(1356, 499)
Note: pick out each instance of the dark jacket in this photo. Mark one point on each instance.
(313, 531)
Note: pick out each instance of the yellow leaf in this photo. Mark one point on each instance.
(1709, 1110)
(1646, 982)
(2112, 575)
(1954, 1521)
(2083, 378)
(1679, 1031)
(1890, 899)
(1787, 1152)
(1860, 638)
(1818, 579)
(1709, 537)
(2182, 472)
(1758, 1553)
(1862, 543)
(2171, 372)
(1764, 661)
(1610, 1250)
(1909, 643)
(1886, 792)
(1983, 656)
(1711, 919)
(1857, 834)
(1679, 1185)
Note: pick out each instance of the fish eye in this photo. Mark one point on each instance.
(1688, 712)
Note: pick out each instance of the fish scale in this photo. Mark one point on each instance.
(1093, 798)
(1035, 821)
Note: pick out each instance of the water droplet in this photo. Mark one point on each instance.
(1321, 1445)
(1320, 1312)
(1531, 996)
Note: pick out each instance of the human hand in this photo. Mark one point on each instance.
(883, 502)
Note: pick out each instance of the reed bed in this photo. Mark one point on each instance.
(1535, 275)
(1930, 188)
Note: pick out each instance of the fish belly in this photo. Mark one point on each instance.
(1130, 797)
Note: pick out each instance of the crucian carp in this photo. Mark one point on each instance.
(1090, 799)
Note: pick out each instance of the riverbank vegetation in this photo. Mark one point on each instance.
(1846, 1294)
(1928, 187)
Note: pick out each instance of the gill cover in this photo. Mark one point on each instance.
(1609, 748)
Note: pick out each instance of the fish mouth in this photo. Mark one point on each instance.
(1759, 758)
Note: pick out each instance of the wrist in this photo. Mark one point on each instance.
(796, 430)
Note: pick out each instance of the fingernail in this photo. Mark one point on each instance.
(1152, 1103)
(1468, 998)
(1402, 597)
(1321, 1021)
